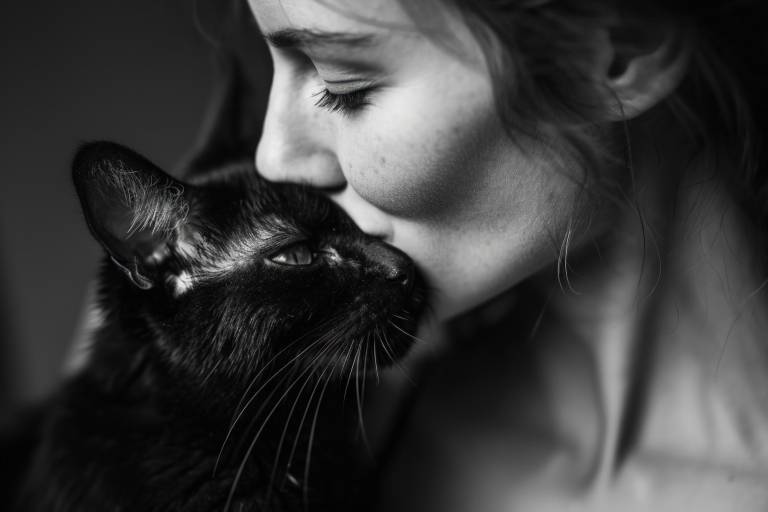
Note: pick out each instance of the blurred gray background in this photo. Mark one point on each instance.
(137, 72)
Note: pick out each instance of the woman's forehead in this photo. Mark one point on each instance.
(353, 16)
(389, 27)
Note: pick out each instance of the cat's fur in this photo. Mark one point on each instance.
(240, 320)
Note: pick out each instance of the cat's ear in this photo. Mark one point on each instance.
(134, 209)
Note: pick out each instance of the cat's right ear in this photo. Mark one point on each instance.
(134, 209)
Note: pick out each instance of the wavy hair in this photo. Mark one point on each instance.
(538, 54)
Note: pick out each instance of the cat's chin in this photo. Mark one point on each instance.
(374, 339)
(380, 346)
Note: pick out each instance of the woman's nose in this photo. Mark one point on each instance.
(297, 142)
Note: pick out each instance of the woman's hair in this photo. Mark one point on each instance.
(538, 52)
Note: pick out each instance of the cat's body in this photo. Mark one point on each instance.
(239, 322)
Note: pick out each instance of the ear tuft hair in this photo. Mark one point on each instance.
(134, 209)
(157, 207)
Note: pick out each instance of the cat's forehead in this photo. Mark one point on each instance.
(250, 232)
(239, 219)
(210, 254)
(240, 224)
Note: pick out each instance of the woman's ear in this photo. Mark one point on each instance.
(640, 68)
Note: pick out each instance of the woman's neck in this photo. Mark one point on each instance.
(710, 370)
(673, 317)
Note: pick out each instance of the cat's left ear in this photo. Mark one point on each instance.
(134, 209)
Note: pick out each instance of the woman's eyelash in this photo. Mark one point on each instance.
(345, 103)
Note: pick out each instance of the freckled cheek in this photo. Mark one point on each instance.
(387, 171)
(417, 165)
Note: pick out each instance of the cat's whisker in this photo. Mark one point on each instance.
(412, 336)
(264, 404)
(381, 342)
(382, 337)
(353, 348)
(248, 452)
(255, 379)
(248, 403)
(303, 418)
(361, 403)
(348, 363)
(287, 364)
(308, 462)
(300, 428)
(282, 439)
(375, 360)
(265, 365)
(356, 369)
(358, 392)
(322, 352)
(389, 350)
(242, 411)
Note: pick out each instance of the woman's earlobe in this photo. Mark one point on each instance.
(638, 80)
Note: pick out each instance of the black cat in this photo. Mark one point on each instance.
(240, 321)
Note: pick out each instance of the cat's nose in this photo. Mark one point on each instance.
(393, 263)
(402, 275)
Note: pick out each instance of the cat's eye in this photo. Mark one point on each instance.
(299, 254)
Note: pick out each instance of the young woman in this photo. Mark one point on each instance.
(603, 160)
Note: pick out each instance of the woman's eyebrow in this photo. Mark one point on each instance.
(301, 38)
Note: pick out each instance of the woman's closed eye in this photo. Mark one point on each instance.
(345, 103)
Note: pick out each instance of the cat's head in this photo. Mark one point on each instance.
(232, 273)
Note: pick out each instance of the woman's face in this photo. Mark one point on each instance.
(396, 121)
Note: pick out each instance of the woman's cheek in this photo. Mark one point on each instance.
(420, 161)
